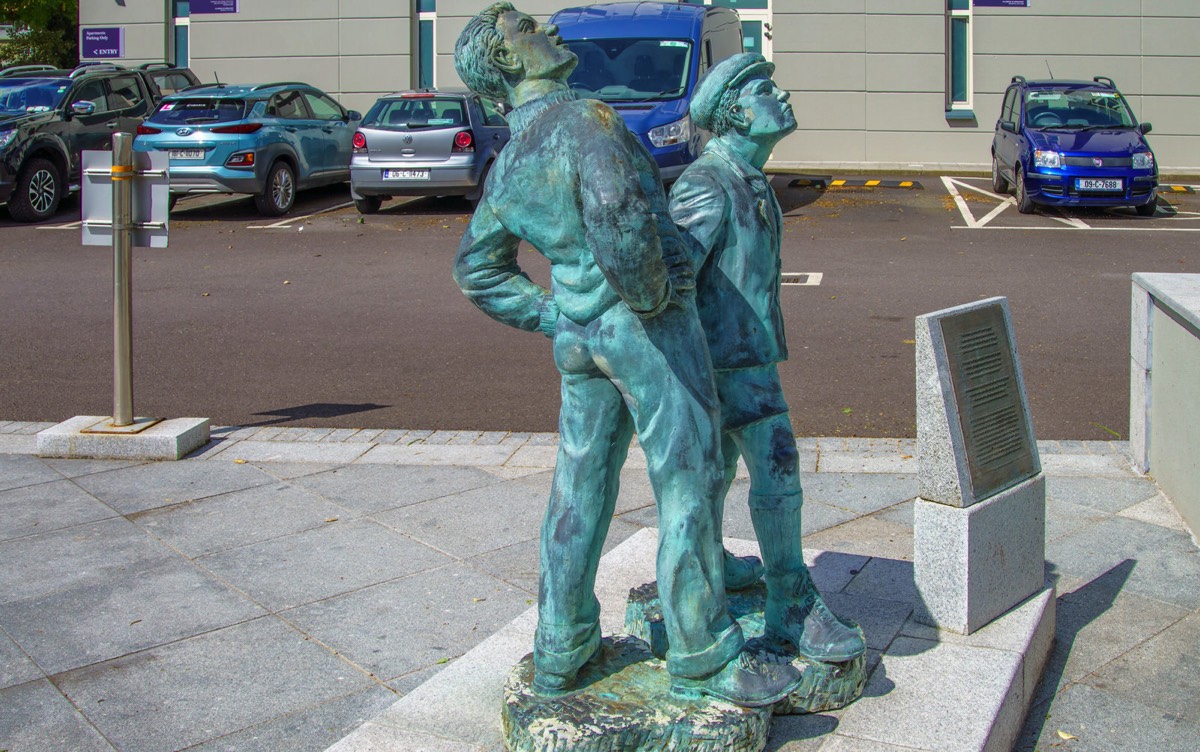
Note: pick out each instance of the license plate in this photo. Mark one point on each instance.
(1099, 184)
(187, 154)
(406, 174)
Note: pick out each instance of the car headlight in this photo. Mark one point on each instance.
(671, 133)
(6, 137)
(1049, 159)
(1143, 160)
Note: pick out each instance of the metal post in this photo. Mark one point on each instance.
(122, 241)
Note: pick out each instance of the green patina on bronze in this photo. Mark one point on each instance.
(576, 185)
(826, 685)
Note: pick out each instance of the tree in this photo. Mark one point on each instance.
(43, 31)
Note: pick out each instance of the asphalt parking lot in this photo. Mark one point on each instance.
(328, 318)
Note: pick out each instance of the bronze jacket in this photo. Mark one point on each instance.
(731, 223)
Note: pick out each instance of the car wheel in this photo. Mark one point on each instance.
(279, 194)
(1024, 203)
(999, 184)
(38, 192)
(368, 204)
(1147, 210)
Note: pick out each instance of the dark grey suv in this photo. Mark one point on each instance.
(47, 117)
(425, 143)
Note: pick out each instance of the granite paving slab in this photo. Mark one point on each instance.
(90, 553)
(17, 470)
(473, 522)
(79, 468)
(1103, 721)
(48, 506)
(1162, 672)
(239, 518)
(147, 486)
(310, 729)
(1104, 494)
(320, 563)
(122, 613)
(377, 488)
(869, 536)
(199, 689)
(15, 665)
(411, 623)
(859, 492)
(1162, 558)
(37, 718)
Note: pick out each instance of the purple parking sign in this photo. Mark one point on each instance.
(102, 43)
(213, 6)
(1001, 3)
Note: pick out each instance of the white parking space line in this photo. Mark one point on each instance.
(1058, 214)
(284, 223)
(68, 226)
(801, 279)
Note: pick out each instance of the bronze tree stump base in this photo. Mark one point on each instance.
(826, 686)
(623, 702)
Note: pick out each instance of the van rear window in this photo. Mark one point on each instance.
(417, 112)
(200, 110)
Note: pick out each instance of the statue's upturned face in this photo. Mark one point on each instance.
(539, 48)
(767, 110)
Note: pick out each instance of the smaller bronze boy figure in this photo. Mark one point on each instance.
(726, 210)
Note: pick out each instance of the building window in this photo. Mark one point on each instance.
(425, 54)
(959, 49)
(180, 26)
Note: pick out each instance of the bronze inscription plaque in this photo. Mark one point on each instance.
(994, 419)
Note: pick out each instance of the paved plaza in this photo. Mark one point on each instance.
(283, 586)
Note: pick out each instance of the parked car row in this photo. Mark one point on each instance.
(49, 115)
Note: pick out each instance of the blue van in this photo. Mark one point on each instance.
(644, 59)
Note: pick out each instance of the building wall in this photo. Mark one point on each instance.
(868, 77)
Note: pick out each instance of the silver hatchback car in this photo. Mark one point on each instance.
(425, 143)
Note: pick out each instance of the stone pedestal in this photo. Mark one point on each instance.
(972, 564)
(93, 437)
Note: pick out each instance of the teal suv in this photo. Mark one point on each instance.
(268, 140)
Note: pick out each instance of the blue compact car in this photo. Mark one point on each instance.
(1072, 143)
(268, 140)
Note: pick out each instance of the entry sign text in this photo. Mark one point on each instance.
(214, 6)
(992, 4)
(102, 43)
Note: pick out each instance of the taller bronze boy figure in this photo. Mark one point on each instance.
(578, 187)
(728, 214)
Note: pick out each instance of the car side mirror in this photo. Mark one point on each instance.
(353, 115)
(1008, 126)
(83, 107)
(1144, 128)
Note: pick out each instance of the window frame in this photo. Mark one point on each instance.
(960, 13)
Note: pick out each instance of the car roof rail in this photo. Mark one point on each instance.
(260, 87)
(83, 68)
(1018, 80)
(154, 66)
(1106, 81)
(22, 70)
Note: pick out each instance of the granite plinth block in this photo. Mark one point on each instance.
(972, 564)
(170, 439)
(826, 686)
(624, 702)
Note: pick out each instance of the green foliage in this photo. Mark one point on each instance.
(44, 31)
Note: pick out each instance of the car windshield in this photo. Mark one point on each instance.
(25, 95)
(198, 110)
(417, 111)
(631, 70)
(1077, 109)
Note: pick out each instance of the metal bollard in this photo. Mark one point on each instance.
(122, 241)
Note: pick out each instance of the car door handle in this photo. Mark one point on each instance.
(111, 124)
(327, 130)
(290, 129)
